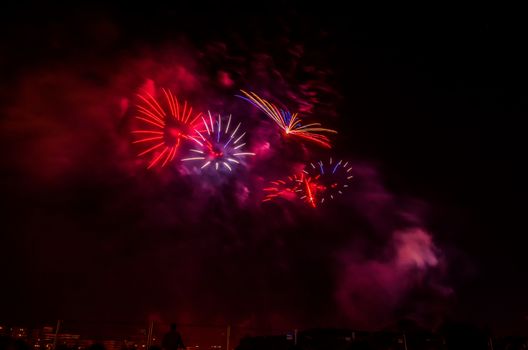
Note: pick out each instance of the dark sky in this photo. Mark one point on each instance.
(429, 106)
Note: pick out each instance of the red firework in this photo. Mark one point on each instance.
(165, 125)
(317, 184)
(288, 188)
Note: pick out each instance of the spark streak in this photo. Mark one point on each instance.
(290, 124)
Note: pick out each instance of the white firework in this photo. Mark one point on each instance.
(218, 147)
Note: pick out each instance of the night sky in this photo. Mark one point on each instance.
(428, 109)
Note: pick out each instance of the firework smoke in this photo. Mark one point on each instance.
(201, 250)
(373, 292)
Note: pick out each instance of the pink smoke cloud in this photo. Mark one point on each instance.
(371, 291)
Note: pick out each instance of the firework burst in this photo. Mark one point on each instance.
(220, 145)
(290, 124)
(288, 188)
(165, 124)
(324, 181)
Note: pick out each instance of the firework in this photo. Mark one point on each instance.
(287, 188)
(325, 181)
(165, 124)
(310, 188)
(220, 145)
(290, 124)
